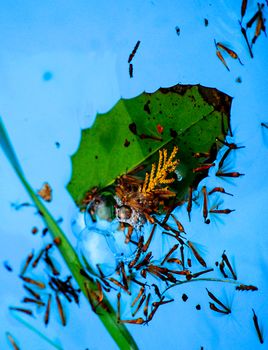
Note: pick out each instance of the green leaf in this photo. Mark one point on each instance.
(118, 331)
(191, 116)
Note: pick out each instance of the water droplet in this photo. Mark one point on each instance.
(179, 175)
(93, 246)
(100, 211)
(123, 251)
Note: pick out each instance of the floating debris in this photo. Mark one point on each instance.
(143, 200)
(219, 189)
(213, 307)
(184, 297)
(47, 313)
(46, 192)
(34, 230)
(232, 174)
(29, 280)
(7, 266)
(219, 55)
(130, 70)
(230, 52)
(243, 287)
(28, 260)
(178, 31)
(133, 53)
(20, 309)
(12, 341)
(227, 262)
(196, 254)
(257, 327)
(243, 8)
(61, 310)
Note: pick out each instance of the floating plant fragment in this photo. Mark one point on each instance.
(46, 192)
(130, 68)
(192, 117)
(12, 341)
(257, 327)
(230, 52)
(257, 18)
(243, 7)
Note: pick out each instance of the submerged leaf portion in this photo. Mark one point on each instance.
(187, 116)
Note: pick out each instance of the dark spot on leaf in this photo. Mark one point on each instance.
(173, 133)
(178, 31)
(127, 143)
(133, 128)
(198, 307)
(220, 101)
(96, 157)
(146, 107)
(206, 22)
(184, 297)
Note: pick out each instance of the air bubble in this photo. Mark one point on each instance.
(179, 175)
(102, 242)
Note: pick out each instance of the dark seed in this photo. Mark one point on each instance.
(184, 297)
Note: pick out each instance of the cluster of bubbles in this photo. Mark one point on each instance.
(102, 240)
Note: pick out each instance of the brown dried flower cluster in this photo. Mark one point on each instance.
(145, 197)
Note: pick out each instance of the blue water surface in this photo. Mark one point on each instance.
(61, 63)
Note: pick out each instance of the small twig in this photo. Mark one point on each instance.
(201, 280)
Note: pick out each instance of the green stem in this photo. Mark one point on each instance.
(36, 331)
(202, 280)
(118, 331)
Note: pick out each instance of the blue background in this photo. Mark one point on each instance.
(61, 62)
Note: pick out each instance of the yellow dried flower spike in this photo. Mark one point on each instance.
(159, 177)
